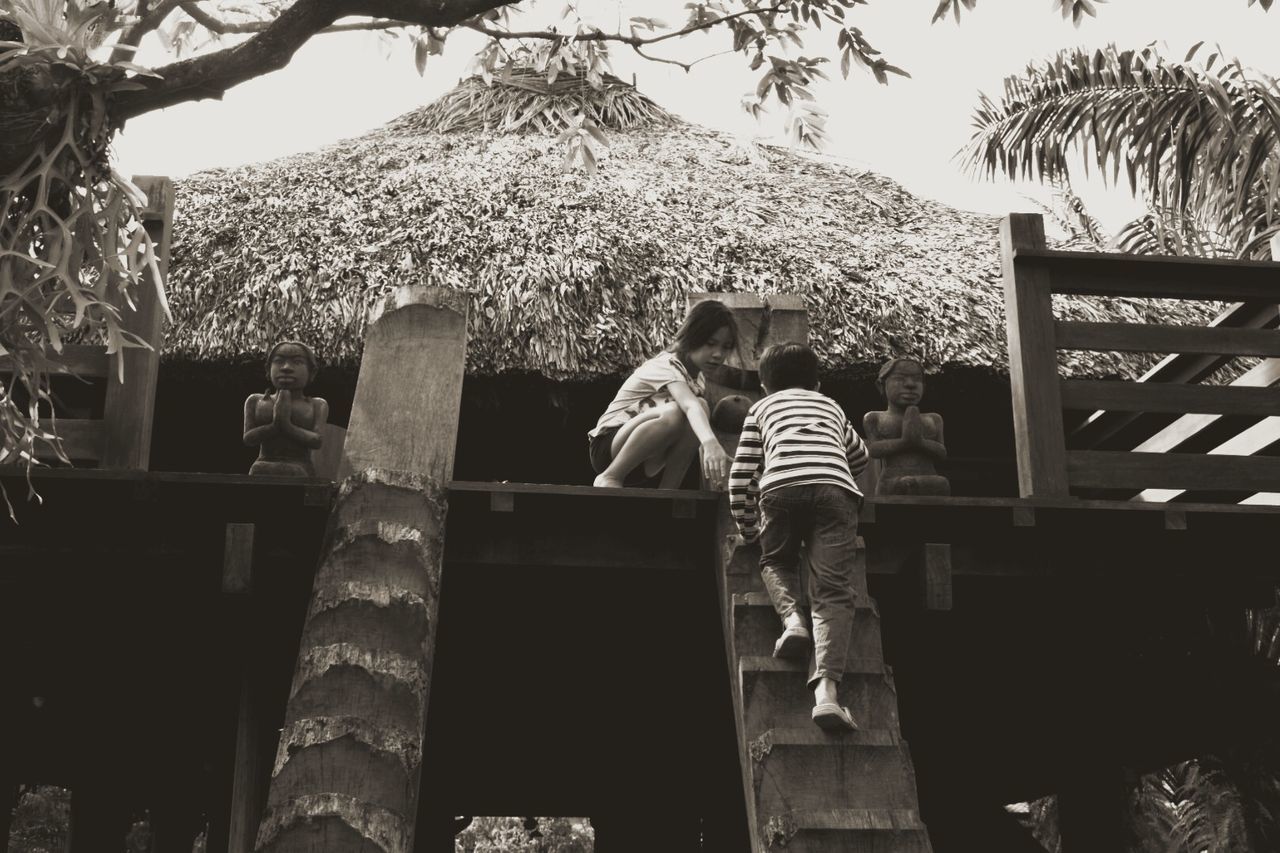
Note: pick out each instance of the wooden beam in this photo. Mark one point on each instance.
(935, 576)
(88, 361)
(1255, 439)
(1150, 337)
(1182, 430)
(1178, 367)
(1165, 397)
(249, 773)
(1109, 469)
(82, 440)
(1155, 276)
(237, 558)
(130, 405)
(1033, 365)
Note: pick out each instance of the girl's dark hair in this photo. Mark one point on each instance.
(704, 320)
(889, 365)
(313, 366)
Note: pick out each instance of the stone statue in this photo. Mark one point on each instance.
(284, 422)
(905, 441)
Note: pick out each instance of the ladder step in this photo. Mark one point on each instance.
(774, 695)
(756, 628)
(846, 831)
(798, 769)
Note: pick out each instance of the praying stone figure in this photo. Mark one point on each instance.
(284, 423)
(906, 442)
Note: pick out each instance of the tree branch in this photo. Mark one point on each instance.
(150, 20)
(222, 28)
(211, 75)
(634, 41)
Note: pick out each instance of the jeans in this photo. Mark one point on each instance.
(825, 518)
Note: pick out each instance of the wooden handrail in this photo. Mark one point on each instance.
(1154, 276)
(1032, 273)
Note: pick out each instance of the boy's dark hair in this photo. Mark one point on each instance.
(703, 321)
(789, 365)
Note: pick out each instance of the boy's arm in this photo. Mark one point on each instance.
(744, 480)
(855, 449)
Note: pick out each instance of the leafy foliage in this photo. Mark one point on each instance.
(1200, 144)
(72, 245)
(528, 835)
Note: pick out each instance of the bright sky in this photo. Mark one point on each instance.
(342, 85)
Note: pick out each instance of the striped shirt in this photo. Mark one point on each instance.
(799, 437)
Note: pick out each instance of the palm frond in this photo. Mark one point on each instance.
(1202, 143)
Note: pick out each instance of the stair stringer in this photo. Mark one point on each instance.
(806, 791)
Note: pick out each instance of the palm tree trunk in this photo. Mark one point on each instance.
(350, 756)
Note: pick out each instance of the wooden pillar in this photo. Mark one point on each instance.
(349, 763)
(130, 405)
(1033, 362)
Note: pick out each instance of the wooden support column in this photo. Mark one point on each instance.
(349, 762)
(935, 576)
(130, 405)
(1033, 362)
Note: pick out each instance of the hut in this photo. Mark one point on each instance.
(575, 277)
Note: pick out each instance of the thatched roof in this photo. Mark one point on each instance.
(574, 275)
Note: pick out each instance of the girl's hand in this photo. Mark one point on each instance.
(715, 463)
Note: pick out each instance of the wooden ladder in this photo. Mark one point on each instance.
(809, 791)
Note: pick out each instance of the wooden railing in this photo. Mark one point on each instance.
(122, 438)
(1046, 467)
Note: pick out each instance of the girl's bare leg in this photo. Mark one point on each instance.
(681, 454)
(645, 438)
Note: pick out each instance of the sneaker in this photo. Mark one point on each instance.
(794, 643)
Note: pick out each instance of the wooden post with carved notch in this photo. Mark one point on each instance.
(349, 761)
(130, 405)
(1033, 362)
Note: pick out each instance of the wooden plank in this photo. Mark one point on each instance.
(1110, 469)
(936, 576)
(1155, 276)
(1149, 337)
(237, 558)
(1033, 371)
(82, 440)
(87, 361)
(557, 490)
(1185, 368)
(1166, 397)
(248, 775)
(130, 405)
(393, 423)
(1263, 375)
(1255, 439)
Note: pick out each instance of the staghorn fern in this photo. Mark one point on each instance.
(72, 245)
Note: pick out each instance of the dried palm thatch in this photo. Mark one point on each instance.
(574, 276)
(523, 101)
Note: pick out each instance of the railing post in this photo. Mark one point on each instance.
(130, 405)
(1033, 363)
